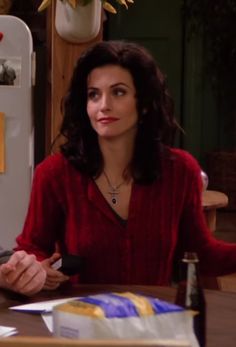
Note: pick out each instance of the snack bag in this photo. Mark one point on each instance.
(122, 316)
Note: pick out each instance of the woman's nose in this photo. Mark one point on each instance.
(105, 102)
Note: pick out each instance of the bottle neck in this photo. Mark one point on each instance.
(190, 292)
(189, 268)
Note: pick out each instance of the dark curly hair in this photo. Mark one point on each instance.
(156, 122)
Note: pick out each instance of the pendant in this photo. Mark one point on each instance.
(113, 190)
(113, 194)
(113, 200)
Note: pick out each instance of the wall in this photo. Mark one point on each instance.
(160, 26)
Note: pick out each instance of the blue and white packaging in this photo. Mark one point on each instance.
(123, 316)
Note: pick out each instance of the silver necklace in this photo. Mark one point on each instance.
(113, 190)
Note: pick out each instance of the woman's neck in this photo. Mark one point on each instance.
(117, 155)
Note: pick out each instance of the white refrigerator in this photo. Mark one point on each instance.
(16, 126)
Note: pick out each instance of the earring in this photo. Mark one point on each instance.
(144, 111)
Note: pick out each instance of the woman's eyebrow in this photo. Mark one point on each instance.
(120, 84)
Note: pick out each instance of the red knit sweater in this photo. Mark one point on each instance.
(165, 218)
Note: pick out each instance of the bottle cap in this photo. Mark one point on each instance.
(190, 257)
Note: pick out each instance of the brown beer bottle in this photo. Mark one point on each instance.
(190, 294)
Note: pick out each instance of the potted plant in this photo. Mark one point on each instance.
(79, 21)
(74, 3)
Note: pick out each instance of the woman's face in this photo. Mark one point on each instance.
(111, 102)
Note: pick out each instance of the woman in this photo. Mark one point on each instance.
(21, 272)
(117, 194)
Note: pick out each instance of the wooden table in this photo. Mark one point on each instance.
(221, 310)
(211, 201)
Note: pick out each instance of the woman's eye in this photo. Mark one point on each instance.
(93, 94)
(119, 92)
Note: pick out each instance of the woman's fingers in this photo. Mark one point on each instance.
(23, 265)
(32, 279)
(55, 282)
(48, 285)
(23, 273)
(32, 283)
(54, 277)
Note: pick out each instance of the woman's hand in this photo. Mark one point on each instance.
(22, 273)
(54, 277)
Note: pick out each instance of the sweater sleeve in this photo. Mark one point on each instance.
(44, 222)
(5, 256)
(216, 257)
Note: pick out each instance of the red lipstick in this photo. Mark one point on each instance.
(107, 120)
